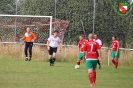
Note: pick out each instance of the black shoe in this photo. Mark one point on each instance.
(51, 64)
(26, 59)
(29, 59)
(100, 67)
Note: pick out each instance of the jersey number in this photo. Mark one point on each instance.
(91, 45)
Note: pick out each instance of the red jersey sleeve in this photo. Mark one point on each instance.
(85, 47)
(98, 47)
(79, 45)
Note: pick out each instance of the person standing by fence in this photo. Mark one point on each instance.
(29, 38)
(96, 39)
(115, 51)
(52, 43)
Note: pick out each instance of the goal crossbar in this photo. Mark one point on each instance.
(33, 16)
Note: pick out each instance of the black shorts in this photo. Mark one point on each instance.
(52, 50)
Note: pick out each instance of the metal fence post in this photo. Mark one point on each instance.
(65, 53)
(108, 56)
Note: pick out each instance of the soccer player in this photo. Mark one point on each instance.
(115, 51)
(96, 39)
(80, 49)
(29, 38)
(91, 48)
(52, 44)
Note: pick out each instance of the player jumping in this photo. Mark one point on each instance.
(29, 38)
(80, 49)
(91, 48)
(115, 51)
(96, 39)
(52, 44)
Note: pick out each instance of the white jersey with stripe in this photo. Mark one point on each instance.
(53, 41)
(98, 41)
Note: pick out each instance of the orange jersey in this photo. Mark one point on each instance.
(29, 37)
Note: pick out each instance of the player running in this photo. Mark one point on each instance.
(91, 48)
(80, 49)
(96, 39)
(115, 51)
(52, 44)
(29, 38)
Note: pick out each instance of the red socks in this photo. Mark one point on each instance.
(78, 63)
(92, 77)
(115, 63)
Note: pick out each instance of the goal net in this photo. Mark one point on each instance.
(13, 27)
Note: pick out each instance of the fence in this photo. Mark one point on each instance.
(69, 53)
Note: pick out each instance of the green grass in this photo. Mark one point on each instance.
(36, 74)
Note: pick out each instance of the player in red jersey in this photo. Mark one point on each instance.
(115, 51)
(80, 49)
(96, 39)
(91, 48)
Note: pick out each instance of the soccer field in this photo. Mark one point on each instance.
(35, 74)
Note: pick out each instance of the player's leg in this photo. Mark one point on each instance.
(25, 51)
(99, 61)
(80, 57)
(94, 69)
(54, 55)
(91, 65)
(30, 51)
(116, 63)
(99, 64)
(116, 59)
(113, 56)
(50, 56)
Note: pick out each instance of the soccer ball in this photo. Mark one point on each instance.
(76, 66)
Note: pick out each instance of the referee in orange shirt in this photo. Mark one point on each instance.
(29, 38)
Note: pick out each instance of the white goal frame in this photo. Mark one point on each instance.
(50, 31)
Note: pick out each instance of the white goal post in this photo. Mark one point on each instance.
(32, 16)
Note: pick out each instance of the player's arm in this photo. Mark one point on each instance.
(100, 43)
(34, 36)
(48, 45)
(24, 37)
(48, 41)
(100, 55)
(84, 51)
(60, 45)
(117, 48)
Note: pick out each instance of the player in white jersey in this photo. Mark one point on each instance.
(96, 39)
(52, 44)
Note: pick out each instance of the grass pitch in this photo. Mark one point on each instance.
(36, 74)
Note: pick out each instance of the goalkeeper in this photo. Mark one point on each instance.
(29, 38)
